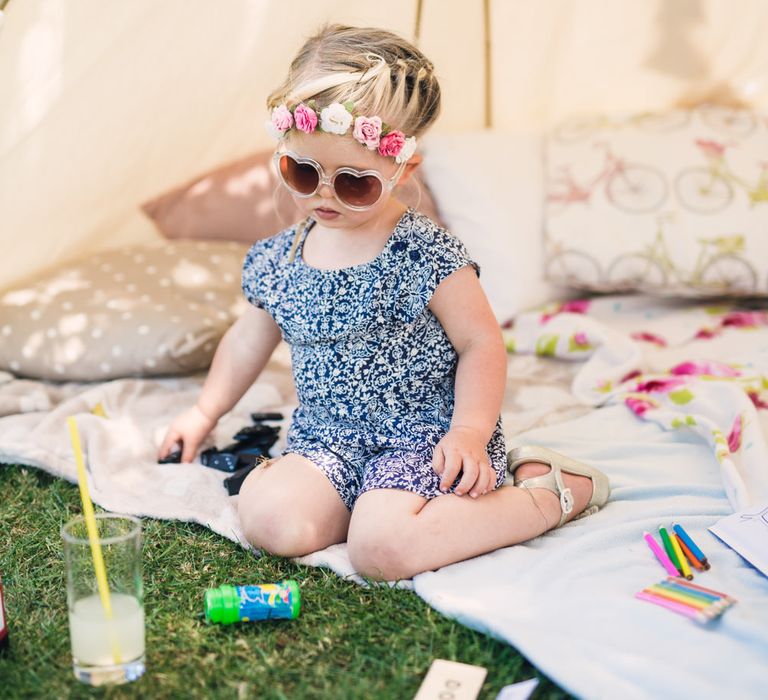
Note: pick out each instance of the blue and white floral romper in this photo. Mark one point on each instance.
(373, 367)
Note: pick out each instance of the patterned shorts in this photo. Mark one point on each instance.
(354, 471)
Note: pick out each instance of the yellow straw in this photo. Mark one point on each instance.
(93, 536)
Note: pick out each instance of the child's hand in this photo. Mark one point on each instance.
(188, 430)
(463, 449)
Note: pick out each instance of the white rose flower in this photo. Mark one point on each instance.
(409, 148)
(335, 119)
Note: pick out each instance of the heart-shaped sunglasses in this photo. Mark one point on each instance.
(355, 189)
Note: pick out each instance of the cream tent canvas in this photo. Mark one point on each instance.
(105, 104)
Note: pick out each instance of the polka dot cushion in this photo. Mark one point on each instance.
(145, 310)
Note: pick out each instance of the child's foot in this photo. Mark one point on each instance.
(565, 488)
(549, 502)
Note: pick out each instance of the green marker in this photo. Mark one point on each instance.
(227, 604)
(670, 549)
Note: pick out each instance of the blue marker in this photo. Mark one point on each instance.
(685, 537)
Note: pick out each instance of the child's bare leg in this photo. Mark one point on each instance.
(290, 508)
(396, 534)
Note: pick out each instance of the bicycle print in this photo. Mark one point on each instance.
(631, 187)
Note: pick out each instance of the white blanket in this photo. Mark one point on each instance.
(687, 447)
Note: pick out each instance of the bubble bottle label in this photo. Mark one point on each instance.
(227, 604)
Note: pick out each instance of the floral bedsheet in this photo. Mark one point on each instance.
(682, 365)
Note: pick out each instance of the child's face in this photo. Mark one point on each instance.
(333, 152)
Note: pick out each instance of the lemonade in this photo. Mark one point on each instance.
(94, 637)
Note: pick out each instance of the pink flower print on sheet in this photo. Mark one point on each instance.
(579, 342)
(734, 437)
(662, 386)
(709, 368)
(640, 404)
(707, 333)
(735, 319)
(756, 399)
(647, 337)
(574, 306)
(745, 319)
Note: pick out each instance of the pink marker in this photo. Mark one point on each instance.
(679, 608)
(661, 555)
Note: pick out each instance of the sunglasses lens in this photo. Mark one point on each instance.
(300, 177)
(357, 191)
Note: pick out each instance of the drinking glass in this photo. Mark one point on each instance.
(106, 649)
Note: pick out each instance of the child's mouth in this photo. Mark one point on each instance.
(326, 213)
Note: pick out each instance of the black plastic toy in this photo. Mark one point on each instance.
(251, 446)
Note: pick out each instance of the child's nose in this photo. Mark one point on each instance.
(325, 191)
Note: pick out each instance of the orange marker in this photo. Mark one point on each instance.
(689, 554)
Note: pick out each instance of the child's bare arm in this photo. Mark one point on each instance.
(462, 308)
(240, 357)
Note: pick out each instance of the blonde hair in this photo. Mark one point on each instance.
(380, 72)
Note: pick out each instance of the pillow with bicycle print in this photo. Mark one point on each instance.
(672, 203)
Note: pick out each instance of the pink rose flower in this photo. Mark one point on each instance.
(392, 143)
(367, 130)
(306, 118)
(282, 119)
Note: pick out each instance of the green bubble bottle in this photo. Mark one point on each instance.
(227, 604)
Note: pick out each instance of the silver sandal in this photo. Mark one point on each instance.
(553, 479)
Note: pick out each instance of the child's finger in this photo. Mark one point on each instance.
(438, 460)
(171, 440)
(450, 470)
(469, 476)
(485, 480)
(188, 451)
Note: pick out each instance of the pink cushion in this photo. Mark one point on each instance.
(239, 201)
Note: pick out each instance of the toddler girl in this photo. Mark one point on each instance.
(396, 445)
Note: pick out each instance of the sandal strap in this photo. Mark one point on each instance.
(552, 481)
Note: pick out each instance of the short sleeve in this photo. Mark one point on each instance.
(262, 261)
(424, 258)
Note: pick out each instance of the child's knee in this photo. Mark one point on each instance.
(380, 554)
(269, 526)
(269, 520)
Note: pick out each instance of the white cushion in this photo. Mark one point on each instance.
(488, 188)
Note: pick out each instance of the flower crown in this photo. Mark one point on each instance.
(336, 118)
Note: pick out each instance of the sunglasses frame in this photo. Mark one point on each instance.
(322, 179)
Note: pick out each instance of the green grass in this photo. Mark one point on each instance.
(348, 642)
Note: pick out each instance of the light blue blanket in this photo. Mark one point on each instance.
(566, 600)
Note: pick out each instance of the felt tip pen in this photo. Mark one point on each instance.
(679, 582)
(685, 537)
(675, 607)
(660, 554)
(668, 548)
(681, 597)
(688, 590)
(689, 555)
(685, 570)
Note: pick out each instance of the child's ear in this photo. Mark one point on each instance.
(410, 168)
